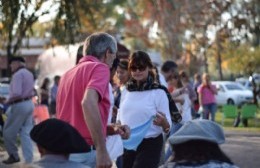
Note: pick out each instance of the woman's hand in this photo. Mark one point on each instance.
(201, 109)
(122, 130)
(161, 120)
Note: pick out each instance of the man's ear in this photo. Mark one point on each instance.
(103, 59)
(107, 53)
(41, 150)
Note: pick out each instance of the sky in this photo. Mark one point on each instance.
(50, 6)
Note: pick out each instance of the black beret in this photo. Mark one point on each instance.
(59, 137)
(20, 59)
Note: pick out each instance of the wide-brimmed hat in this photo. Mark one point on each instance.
(59, 137)
(198, 130)
(20, 59)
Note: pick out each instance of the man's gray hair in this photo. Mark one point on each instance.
(98, 43)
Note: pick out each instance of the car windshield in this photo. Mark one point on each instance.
(233, 87)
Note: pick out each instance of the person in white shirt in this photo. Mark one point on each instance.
(183, 103)
(141, 103)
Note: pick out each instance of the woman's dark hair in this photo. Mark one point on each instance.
(156, 74)
(141, 59)
(123, 64)
(45, 83)
(175, 76)
(199, 151)
(179, 83)
(184, 76)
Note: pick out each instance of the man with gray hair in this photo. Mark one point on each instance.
(83, 98)
(19, 113)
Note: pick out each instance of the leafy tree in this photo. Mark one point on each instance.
(173, 19)
(241, 59)
(75, 19)
(162, 25)
(78, 18)
(242, 21)
(17, 18)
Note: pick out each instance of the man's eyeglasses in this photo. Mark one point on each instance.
(140, 68)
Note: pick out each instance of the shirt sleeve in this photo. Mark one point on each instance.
(199, 89)
(192, 93)
(99, 79)
(162, 104)
(16, 85)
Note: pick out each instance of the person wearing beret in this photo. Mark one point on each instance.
(19, 113)
(55, 140)
(196, 144)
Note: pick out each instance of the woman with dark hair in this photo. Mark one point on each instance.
(146, 111)
(183, 104)
(120, 78)
(195, 144)
(44, 92)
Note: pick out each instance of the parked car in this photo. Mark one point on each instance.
(5, 80)
(4, 90)
(247, 81)
(242, 80)
(232, 93)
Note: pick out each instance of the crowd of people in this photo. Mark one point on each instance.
(107, 111)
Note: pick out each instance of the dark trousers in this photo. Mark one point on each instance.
(147, 154)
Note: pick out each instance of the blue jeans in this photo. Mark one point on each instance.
(209, 109)
(19, 121)
(88, 159)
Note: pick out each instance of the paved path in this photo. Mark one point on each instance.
(3, 156)
(243, 148)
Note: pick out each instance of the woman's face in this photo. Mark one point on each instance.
(122, 75)
(206, 79)
(173, 81)
(139, 73)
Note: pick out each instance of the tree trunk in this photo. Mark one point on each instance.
(9, 55)
(206, 61)
(219, 59)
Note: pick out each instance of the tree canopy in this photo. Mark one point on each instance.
(190, 32)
